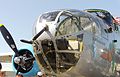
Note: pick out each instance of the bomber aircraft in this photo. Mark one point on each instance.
(70, 43)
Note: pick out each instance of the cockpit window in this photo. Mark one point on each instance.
(103, 14)
(67, 26)
(49, 16)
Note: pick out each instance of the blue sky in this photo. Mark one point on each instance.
(19, 15)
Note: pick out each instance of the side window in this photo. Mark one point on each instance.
(86, 23)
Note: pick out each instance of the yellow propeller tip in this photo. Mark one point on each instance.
(1, 25)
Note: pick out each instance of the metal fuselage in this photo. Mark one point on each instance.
(76, 44)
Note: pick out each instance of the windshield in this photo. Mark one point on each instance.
(104, 15)
(49, 16)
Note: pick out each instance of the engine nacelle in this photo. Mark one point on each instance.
(32, 67)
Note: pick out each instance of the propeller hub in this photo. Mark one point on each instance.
(17, 60)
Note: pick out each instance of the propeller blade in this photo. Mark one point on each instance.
(0, 66)
(8, 38)
(17, 70)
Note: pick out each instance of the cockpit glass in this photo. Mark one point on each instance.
(102, 14)
(49, 16)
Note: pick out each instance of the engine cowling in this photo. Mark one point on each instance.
(31, 68)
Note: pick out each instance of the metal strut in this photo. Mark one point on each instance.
(56, 51)
(40, 50)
